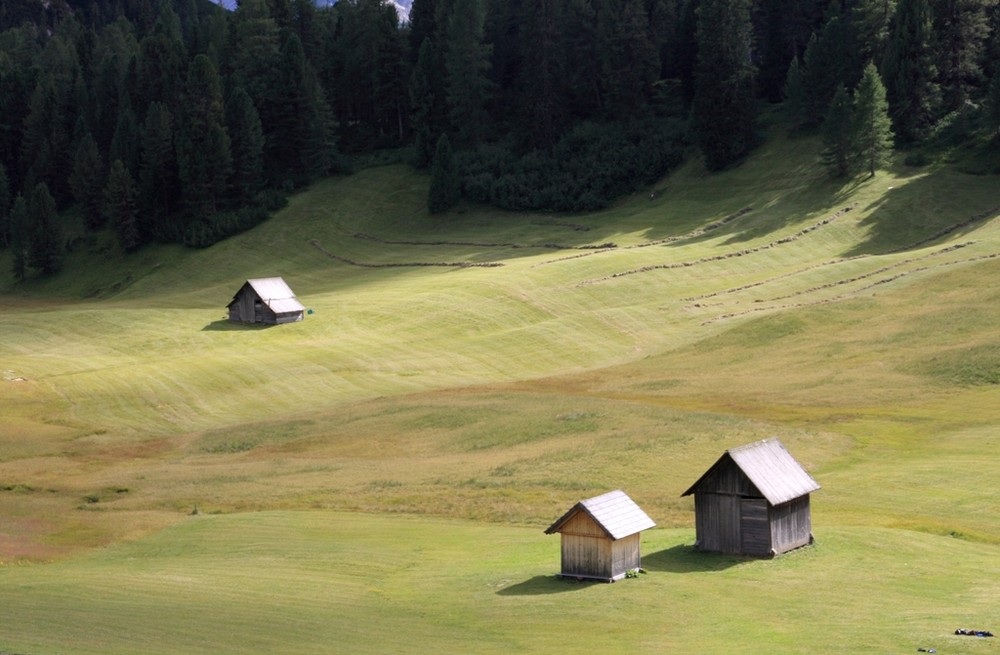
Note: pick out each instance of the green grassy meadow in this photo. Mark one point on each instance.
(377, 478)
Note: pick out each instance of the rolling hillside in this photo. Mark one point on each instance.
(386, 467)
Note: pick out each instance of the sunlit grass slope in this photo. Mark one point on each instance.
(378, 476)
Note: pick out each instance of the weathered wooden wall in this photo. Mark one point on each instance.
(625, 555)
(586, 549)
(750, 526)
(791, 525)
(242, 308)
(729, 479)
(755, 528)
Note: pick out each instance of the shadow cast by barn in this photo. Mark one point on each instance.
(542, 585)
(686, 559)
(225, 325)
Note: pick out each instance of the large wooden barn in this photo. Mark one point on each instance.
(753, 501)
(600, 537)
(267, 300)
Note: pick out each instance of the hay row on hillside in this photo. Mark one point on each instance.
(351, 262)
(729, 255)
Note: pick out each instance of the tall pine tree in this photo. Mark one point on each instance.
(724, 107)
(838, 135)
(541, 109)
(203, 154)
(871, 20)
(829, 62)
(4, 206)
(45, 245)
(19, 238)
(909, 70)
(630, 63)
(993, 106)
(872, 139)
(444, 191)
(87, 180)
(247, 139)
(961, 28)
(422, 106)
(122, 206)
(467, 60)
(794, 94)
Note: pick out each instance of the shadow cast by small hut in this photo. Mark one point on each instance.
(687, 559)
(225, 325)
(542, 585)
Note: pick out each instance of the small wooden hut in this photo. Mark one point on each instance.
(753, 501)
(600, 537)
(267, 300)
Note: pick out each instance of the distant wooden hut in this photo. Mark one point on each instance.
(600, 537)
(266, 300)
(753, 501)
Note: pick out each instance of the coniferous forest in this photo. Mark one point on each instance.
(180, 121)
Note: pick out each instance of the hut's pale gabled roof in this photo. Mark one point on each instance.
(276, 294)
(614, 512)
(771, 468)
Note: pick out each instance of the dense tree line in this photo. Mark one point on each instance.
(175, 120)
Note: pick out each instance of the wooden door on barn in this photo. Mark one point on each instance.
(755, 527)
(718, 522)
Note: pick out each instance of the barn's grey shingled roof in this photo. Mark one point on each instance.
(614, 512)
(276, 294)
(771, 469)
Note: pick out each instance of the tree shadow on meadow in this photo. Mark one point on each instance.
(686, 559)
(913, 215)
(542, 585)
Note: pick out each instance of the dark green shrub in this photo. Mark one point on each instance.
(589, 167)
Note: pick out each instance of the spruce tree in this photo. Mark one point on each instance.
(467, 60)
(4, 206)
(579, 60)
(158, 181)
(422, 106)
(794, 94)
(838, 135)
(444, 189)
(871, 20)
(909, 70)
(724, 106)
(829, 63)
(993, 106)
(390, 81)
(961, 28)
(247, 140)
(687, 46)
(45, 245)
(422, 24)
(126, 140)
(38, 135)
(872, 127)
(160, 72)
(87, 180)
(630, 63)
(122, 206)
(302, 136)
(19, 238)
(203, 152)
(541, 71)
